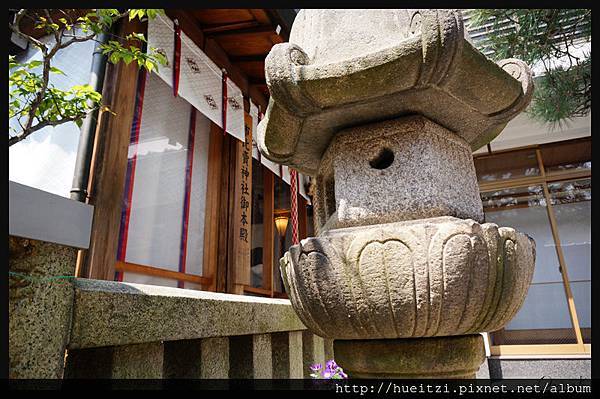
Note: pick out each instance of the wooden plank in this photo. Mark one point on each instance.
(248, 44)
(248, 30)
(510, 183)
(268, 223)
(109, 163)
(230, 286)
(259, 291)
(551, 349)
(223, 212)
(260, 58)
(222, 15)
(214, 28)
(568, 175)
(164, 273)
(559, 253)
(211, 218)
(242, 213)
(260, 15)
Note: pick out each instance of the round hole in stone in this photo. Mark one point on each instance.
(383, 160)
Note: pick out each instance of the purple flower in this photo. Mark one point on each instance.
(331, 365)
(316, 367)
(331, 371)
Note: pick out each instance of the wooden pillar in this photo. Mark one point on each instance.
(213, 199)
(109, 164)
(225, 209)
(268, 246)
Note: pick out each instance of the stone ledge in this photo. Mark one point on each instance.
(108, 313)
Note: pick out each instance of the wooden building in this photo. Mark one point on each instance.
(192, 207)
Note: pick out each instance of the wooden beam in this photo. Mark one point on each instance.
(259, 291)
(215, 28)
(248, 58)
(224, 213)
(109, 163)
(268, 222)
(281, 295)
(211, 218)
(164, 273)
(559, 253)
(257, 82)
(243, 31)
(550, 349)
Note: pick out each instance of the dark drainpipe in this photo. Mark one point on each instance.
(88, 127)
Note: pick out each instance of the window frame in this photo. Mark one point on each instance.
(543, 179)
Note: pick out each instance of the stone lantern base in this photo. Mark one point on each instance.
(436, 357)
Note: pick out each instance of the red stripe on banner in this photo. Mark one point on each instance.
(188, 190)
(294, 205)
(176, 57)
(224, 102)
(130, 177)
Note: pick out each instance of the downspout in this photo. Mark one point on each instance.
(88, 127)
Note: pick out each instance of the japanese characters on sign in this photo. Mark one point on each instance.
(244, 186)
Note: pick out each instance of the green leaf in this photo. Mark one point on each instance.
(149, 65)
(57, 71)
(127, 58)
(34, 64)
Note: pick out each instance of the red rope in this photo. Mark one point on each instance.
(176, 57)
(294, 205)
(260, 116)
(224, 102)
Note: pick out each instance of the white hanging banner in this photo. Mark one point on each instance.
(254, 116)
(285, 174)
(200, 79)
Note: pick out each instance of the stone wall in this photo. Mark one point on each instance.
(40, 306)
(62, 327)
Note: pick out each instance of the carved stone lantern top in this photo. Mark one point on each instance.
(344, 68)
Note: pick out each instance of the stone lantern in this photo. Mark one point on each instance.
(384, 108)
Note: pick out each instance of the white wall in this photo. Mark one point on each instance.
(523, 131)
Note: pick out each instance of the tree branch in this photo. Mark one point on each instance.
(43, 124)
(15, 28)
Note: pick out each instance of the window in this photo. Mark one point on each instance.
(162, 223)
(545, 192)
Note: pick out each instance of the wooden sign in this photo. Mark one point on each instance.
(242, 215)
